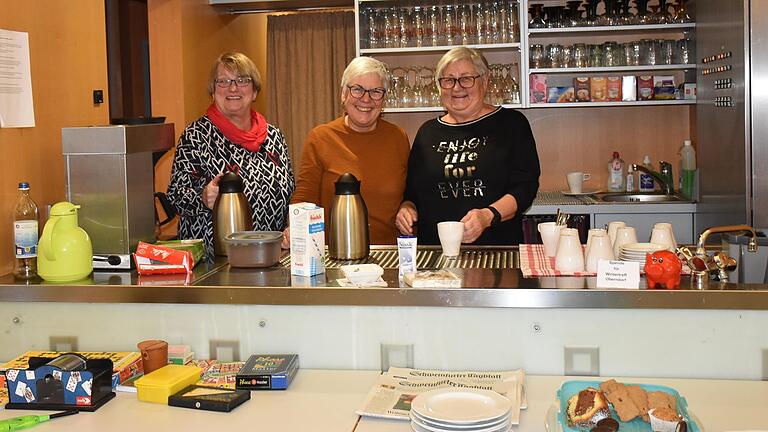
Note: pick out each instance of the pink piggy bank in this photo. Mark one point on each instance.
(663, 268)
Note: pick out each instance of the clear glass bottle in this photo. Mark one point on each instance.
(616, 174)
(25, 235)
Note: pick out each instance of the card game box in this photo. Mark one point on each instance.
(268, 372)
(209, 399)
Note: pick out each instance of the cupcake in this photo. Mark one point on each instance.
(664, 419)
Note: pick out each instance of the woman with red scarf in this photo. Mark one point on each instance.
(231, 137)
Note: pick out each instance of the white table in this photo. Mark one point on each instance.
(317, 401)
(720, 405)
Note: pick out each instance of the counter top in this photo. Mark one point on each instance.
(218, 283)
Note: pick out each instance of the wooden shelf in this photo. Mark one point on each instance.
(442, 48)
(612, 69)
(612, 104)
(613, 29)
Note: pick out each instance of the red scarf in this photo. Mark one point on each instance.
(250, 139)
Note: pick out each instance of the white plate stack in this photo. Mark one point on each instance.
(636, 251)
(461, 410)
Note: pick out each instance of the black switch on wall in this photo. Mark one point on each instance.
(98, 96)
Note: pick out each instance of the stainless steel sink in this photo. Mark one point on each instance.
(639, 198)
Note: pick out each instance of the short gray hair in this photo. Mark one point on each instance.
(462, 53)
(365, 65)
(237, 63)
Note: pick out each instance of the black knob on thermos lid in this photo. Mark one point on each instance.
(347, 184)
(230, 183)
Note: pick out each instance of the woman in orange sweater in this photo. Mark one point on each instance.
(361, 143)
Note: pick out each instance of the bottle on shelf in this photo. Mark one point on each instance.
(25, 234)
(616, 176)
(688, 169)
(646, 181)
(630, 180)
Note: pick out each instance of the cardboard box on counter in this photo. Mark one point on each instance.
(307, 222)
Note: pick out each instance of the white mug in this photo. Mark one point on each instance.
(625, 235)
(613, 227)
(450, 234)
(550, 234)
(576, 180)
(661, 236)
(600, 250)
(570, 255)
(591, 233)
(668, 227)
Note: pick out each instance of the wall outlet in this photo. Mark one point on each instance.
(584, 361)
(765, 364)
(62, 343)
(396, 355)
(224, 351)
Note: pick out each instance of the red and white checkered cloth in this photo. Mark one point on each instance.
(534, 263)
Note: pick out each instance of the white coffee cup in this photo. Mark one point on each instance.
(576, 180)
(550, 235)
(600, 249)
(570, 254)
(624, 235)
(450, 234)
(591, 233)
(613, 227)
(661, 236)
(668, 227)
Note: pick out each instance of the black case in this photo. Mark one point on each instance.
(222, 400)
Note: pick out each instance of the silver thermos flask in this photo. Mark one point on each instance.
(348, 228)
(231, 212)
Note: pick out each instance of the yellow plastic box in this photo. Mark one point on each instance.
(166, 381)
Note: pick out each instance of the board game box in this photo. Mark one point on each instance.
(268, 372)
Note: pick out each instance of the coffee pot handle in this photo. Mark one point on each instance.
(46, 242)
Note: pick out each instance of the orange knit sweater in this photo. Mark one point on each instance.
(379, 159)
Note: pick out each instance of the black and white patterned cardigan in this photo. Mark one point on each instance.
(203, 152)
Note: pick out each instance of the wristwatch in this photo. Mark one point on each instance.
(496, 216)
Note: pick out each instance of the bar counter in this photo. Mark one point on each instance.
(501, 287)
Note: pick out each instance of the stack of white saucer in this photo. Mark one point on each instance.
(467, 410)
(636, 251)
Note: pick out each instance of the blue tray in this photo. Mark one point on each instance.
(570, 388)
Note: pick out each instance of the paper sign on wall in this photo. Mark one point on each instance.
(16, 109)
(618, 274)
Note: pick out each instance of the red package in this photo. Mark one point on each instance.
(154, 259)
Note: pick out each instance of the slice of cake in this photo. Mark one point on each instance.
(587, 407)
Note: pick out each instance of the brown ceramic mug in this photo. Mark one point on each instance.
(154, 354)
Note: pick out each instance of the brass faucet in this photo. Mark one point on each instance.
(718, 265)
(666, 182)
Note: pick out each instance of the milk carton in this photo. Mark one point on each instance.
(307, 223)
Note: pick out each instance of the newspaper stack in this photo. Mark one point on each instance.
(392, 394)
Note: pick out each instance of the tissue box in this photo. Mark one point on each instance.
(307, 223)
(166, 381)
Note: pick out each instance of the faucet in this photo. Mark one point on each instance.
(718, 266)
(666, 182)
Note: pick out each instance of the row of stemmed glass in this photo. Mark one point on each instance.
(591, 13)
(648, 52)
(484, 22)
(415, 86)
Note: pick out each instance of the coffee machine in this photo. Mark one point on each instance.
(110, 175)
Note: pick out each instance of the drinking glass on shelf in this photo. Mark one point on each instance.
(684, 52)
(642, 16)
(580, 55)
(591, 18)
(404, 21)
(631, 53)
(625, 16)
(648, 52)
(554, 55)
(513, 29)
(567, 56)
(611, 54)
(503, 13)
(369, 26)
(433, 25)
(667, 49)
(391, 28)
(596, 56)
(465, 25)
(418, 33)
(536, 56)
(493, 22)
(449, 27)
(573, 17)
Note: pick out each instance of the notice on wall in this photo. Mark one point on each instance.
(16, 109)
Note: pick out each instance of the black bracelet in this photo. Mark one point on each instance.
(496, 216)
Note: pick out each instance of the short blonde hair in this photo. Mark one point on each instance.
(237, 63)
(462, 53)
(365, 65)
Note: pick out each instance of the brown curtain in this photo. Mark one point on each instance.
(306, 55)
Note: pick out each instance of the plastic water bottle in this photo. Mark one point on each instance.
(25, 234)
(616, 176)
(688, 163)
(646, 181)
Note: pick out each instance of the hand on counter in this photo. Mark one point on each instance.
(406, 218)
(211, 191)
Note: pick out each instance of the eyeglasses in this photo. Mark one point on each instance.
(466, 82)
(358, 92)
(227, 82)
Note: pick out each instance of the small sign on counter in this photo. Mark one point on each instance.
(618, 274)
